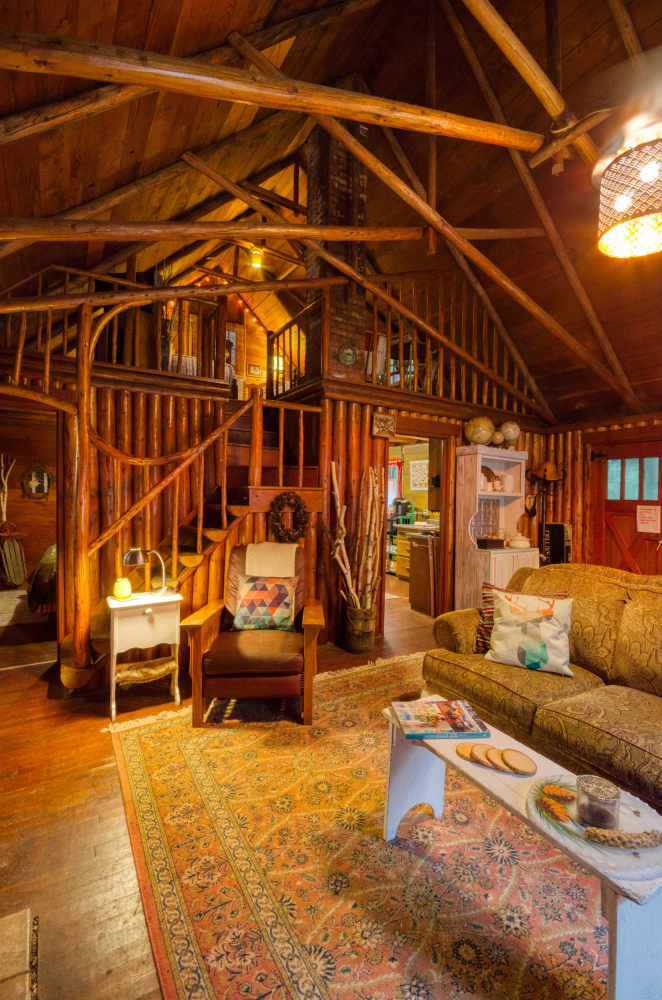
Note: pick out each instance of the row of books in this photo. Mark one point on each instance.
(434, 718)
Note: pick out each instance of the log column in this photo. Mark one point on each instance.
(82, 604)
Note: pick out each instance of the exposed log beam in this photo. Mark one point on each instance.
(554, 147)
(553, 43)
(519, 56)
(92, 102)
(40, 303)
(542, 211)
(629, 36)
(68, 57)
(46, 229)
(277, 199)
(335, 129)
(462, 262)
(378, 292)
(166, 175)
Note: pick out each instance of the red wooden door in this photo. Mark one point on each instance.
(627, 497)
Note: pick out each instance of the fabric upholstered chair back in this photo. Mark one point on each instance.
(237, 567)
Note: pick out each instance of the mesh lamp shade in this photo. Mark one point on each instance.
(631, 203)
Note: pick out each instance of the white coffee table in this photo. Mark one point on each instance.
(416, 775)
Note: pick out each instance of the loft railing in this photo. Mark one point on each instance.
(182, 332)
(401, 355)
(286, 349)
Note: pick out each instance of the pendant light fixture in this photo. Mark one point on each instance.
(256, 257)
(631, 196)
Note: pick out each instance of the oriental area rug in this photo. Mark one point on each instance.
(264, 874)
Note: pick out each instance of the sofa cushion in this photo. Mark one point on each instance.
(507, 693)
(254, 652)
(599, 595)
(638, 656)
(615, 730)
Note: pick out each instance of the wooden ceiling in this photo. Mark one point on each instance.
(477, 184)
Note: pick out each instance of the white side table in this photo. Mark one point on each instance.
(142, 621)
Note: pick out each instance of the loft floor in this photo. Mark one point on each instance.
(63, 835)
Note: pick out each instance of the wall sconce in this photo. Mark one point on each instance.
(140, 557)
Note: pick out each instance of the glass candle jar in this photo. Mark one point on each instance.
(598, 802)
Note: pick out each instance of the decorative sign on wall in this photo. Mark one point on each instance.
(648, 520)
(418, 474)
(383, 425)
(36, 481)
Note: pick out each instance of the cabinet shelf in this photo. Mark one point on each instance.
(497, 493)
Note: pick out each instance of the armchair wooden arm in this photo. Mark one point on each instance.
(201, 628)
(313, 622)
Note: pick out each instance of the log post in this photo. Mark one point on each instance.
(81, 581)
(221, 324)
(431, 101)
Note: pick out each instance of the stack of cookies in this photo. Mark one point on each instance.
(510, 761)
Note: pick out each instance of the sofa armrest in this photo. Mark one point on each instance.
(456, 630)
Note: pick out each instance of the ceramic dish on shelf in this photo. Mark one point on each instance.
(519, 542)
(550, 804)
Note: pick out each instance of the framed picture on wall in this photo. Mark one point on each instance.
(418, 475)
(36, 481)
(254, 370)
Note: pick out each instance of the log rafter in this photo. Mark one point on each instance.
(449, 232)
(542, 211)
(92, 102)
(42, 54)
(521, 59)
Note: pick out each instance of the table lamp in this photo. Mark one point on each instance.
(140, 557)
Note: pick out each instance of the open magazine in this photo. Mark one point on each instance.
(434, 718)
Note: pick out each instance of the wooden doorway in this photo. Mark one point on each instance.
(627, 497)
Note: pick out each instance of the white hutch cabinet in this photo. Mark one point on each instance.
(479, 513)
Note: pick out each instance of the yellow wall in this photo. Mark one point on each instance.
(409, 453)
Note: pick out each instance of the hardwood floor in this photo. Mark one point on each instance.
(64, 844)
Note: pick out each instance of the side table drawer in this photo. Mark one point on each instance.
(142, 627)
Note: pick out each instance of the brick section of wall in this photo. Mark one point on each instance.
(337, 197)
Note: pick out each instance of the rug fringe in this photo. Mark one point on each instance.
(372, 665)
(118, 727)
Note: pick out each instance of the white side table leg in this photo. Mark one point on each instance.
(635, 946)
(415, 776)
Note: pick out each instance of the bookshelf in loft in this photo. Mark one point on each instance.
(482, 512)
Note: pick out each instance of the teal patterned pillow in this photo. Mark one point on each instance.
(265, 602)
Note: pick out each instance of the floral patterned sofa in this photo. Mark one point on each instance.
(607, 718)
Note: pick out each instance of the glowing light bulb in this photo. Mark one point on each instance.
(256, 257)
(649, 172)
(622, 202)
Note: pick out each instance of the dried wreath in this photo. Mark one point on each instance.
(288, 501)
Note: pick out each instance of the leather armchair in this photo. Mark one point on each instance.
(253, 663)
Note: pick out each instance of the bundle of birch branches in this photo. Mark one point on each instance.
(359, 575)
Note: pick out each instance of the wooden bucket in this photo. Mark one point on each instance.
(359, 630)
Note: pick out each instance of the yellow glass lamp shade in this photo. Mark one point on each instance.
(122, 589)
(256, 257)
(631, 202)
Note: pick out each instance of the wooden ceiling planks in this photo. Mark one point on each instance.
(477, 186)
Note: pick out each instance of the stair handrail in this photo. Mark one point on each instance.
(147, 498)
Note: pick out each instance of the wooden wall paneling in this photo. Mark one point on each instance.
(326, 586)
(123, 437)
(182, 437)
(60, 529)
(210, 453)
(194, 437)
(200, 585)
(379, 461)
(106, 427)
(93, 520)
(354, 469)
(216, 567)
(570, 486)
(139, 421)
(550, 455)
(339, 447)
(584, 517)
(577, 514)
(159, 531)
(168, 447)
(69, 518)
